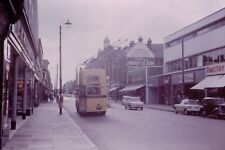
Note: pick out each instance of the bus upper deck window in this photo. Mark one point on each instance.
(92, 91)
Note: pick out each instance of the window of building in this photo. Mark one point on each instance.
(194, 61)
(179, 64)
(214, 57)
(186, 63)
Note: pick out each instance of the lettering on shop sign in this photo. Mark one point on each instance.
(215, 69)
(135, 61)
(188, 78)
(166, 80)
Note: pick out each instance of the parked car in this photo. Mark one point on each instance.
(188, 106)
(213, 106)
(133, 102)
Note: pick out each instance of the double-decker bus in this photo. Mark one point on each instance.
(91, 92)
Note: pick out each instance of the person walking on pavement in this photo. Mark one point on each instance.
(51, 98)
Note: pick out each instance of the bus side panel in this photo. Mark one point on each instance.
(96, 104)
(82, 105)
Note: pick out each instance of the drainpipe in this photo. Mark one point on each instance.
(14, 102)
(24, 93)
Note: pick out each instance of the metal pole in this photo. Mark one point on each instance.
(60, 69)
(183, 88)
(24, 93)
(14, 101)
(146, 85)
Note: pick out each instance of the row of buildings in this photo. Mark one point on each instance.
(25, 78)
(190, 63)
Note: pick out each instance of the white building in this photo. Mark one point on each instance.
(203, 49)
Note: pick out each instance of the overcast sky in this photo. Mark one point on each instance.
(92, 20)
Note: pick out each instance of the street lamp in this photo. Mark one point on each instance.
(68, 23)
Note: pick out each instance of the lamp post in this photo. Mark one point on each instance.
(60, 65)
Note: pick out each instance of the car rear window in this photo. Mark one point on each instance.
(135, 99)
(219, 101)
(193, 102)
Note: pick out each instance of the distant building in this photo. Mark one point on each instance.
(46, 75)
(69, 87)
(119, 62)
(143, 61)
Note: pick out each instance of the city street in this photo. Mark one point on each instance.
(123, 129)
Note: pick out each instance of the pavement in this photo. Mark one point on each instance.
(45, 129)
(150, 106)
(160, 107)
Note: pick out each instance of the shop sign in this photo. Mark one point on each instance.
(137, 61)
(188, 78)
(166, 80)
(215, 69)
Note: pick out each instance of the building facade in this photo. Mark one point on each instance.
(191, 56)
(126, 68)
(112, 59)
(143, 61)
(21, 64)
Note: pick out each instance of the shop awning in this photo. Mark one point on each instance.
(218, 84)
(131, 88)
(207, 82)
(112, 89)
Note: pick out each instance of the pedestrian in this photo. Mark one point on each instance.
(51, 98)
(57, 98)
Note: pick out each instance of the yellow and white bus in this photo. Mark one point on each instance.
(91, 94)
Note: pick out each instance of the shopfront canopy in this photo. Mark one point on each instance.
(131, 88)
(209, 82)
(219, 84)
(113, 89)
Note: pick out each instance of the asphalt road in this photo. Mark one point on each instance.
(149, 129)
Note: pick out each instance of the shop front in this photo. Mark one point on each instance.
(134, 90)
(214, 82)
(165, 89)
(153, 91)
(172, 90)
(143, 82)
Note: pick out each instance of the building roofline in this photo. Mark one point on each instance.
(196, 25)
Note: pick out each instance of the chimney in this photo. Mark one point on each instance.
(149, 43)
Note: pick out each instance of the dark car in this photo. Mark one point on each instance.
(213, 106)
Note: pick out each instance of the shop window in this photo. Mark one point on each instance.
(193, 61)
(179, 65)
(199, 60)
(222, 59)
